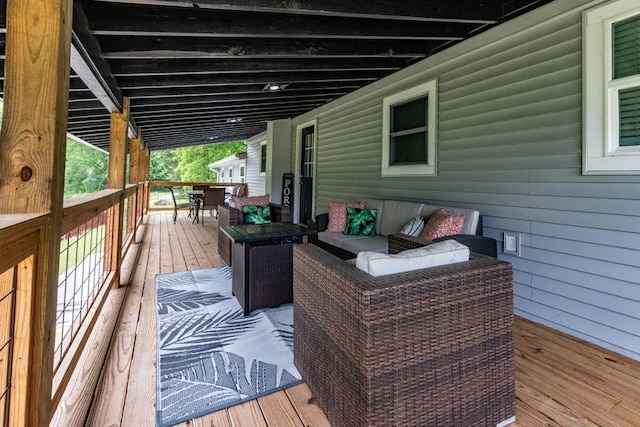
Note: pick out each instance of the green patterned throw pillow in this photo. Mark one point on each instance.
(361, 222)
(256, 214)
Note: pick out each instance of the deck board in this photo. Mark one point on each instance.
(560, 380)
(139, 409)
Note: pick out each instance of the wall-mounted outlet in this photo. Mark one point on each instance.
(511, 243)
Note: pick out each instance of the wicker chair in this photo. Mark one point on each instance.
(430, 347)
(213, 197)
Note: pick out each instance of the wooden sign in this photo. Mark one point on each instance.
(287, 189)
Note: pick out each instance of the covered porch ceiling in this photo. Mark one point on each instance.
(198, 72)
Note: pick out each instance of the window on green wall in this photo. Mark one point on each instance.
(409, 132)
(626, 64)
(612, 88)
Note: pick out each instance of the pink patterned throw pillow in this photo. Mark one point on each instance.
(442, 223)
(338, 214)
(254, 200)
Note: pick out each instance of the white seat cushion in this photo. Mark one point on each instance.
(441, 253)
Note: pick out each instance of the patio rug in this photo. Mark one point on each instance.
(210, 356)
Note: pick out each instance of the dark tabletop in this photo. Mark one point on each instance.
(250, 233)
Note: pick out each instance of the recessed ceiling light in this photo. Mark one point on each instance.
(272, 87)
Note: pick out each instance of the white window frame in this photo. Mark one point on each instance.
(602, 154)
(242, 173)
(430, 168)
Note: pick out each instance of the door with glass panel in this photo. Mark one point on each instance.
(307, 167)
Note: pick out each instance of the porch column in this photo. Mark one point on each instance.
(116, 181)
(32, 163)
(145, 168)
(134, 178)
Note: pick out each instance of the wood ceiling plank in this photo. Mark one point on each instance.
(121, 67)
(410, 10)
(156, 20)
(156, 47)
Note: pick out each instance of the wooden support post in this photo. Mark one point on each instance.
(32, 160)
(134, 178)
(116, 180)
(146, 167)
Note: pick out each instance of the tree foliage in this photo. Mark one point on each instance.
(85, 170)
(193, 162)
(163, 166)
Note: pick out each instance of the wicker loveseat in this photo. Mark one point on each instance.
(392, 215)
(429, 347)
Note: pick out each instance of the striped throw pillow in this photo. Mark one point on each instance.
(414, 227)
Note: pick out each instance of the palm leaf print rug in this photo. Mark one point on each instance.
(210, 356)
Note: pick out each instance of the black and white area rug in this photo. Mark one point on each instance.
(210, 356)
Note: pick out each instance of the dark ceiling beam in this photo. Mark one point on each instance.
(409, 10)
(300, 88)
(88, 63)
(91, 114)
(152, 137)
(140, 20)
(255, 104)
(129, 67)
(207, 47)
(99, 127)
(262, 115)
(227, 100)
(212, 133)
(201, 115)
(193, 141)
(151, 109)
(221, 116)
(87, 105)
(82, 122)
(245, 79)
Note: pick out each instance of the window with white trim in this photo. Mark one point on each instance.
(230, 173)
(612, 88)
(242, 177)
(409, 132)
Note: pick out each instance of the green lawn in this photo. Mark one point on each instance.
(76, 248)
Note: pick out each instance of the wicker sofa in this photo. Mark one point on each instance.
(392, 215)
(428, 347)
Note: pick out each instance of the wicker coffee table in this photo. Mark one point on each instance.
(263, 262)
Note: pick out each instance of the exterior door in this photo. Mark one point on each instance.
(307, 167)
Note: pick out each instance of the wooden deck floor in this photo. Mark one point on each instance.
(560, 381)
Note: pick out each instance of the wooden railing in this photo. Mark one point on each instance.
(87, 273)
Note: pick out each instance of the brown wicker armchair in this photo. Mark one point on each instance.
(430, 347)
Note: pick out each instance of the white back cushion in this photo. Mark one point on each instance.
(396, 214)
(441, 253)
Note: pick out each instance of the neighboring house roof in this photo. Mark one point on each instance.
(234, 159)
